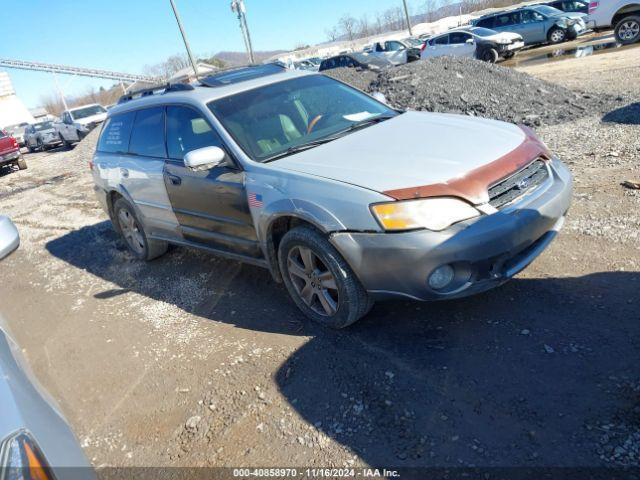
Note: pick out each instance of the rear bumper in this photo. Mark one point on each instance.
(10, 157)
(484, 253)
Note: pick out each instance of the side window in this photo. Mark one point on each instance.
(458, 37)
(187, 130)
(115, 133)
(486, 22)
(393, 46)
(443, 40)
(147, 136)
(506, 20)
(529, 16)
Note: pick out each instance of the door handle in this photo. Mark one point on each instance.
(174, 179)
(124, 172)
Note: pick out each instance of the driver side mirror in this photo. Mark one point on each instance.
(470, 41)
(204, 157)
(9, 237)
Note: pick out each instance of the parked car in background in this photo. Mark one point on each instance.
(477, 42)
(536, 24)
(77, 122)
(306, 65)
(622, 15)
(362, 61)
(316, 181)
(10, 152)
(398, 52)
(17, 132)
(9, 238)
(41, 136)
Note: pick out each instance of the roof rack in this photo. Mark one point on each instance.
(157, 90)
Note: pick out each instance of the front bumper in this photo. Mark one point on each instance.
(484, 252)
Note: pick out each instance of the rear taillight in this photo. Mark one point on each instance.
(15, 142)
(593, 6)
(423, 46)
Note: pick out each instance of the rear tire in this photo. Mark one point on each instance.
(627, 30)
(22, 164)
(126, 223)
(319, 280)
(556, 35)
(490, 55)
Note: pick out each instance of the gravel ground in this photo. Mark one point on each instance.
(195, 360)
(468, 86)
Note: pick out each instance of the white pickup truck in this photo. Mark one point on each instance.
(77, 122)
(397, 52)
(622, 15)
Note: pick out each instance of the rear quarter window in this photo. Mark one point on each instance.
(116, 133)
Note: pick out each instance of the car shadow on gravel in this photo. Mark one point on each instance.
(523, 375)
(627, 115)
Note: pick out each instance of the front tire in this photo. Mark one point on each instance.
(627, 30)
(319, 280)
(556, 35)
(490, 55)
(130, 229)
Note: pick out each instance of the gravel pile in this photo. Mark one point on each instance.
(468, 86)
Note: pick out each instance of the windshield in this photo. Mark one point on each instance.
(482, 32)
(268, 121)
(547, 10)
(414, 42)
(87, 111)
(43, 126)
(16, 128)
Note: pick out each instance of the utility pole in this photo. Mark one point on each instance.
(237, 7)
(184, 38)
(406, 13)
(64, 101)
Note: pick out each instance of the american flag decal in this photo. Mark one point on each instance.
(255, 200)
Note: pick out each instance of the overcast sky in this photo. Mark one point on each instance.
(126, 35)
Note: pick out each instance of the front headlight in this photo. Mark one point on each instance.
(431, 213)
(21, 459)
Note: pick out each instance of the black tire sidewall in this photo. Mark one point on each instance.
(490, 55)
(351, 295)
(121, 204)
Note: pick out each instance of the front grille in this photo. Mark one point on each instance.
(517, 185)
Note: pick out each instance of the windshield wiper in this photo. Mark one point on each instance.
(306, 146)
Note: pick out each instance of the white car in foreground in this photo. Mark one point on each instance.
(79, 121)
(476, 42)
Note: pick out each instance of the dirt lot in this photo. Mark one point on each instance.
(195, 360)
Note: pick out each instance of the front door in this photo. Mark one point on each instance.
(210, 204)
(461, 44)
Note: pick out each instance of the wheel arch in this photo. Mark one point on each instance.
(625, 11)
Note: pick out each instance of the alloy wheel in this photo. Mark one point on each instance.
(557, 36)
(629, 30)
(131, 231)
(313, 281)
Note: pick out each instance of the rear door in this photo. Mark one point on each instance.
(210, 204)
(136, 164)
(437, 47)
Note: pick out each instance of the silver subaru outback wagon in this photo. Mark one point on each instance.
(343, 198)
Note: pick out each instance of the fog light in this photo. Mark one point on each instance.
(441, 277)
